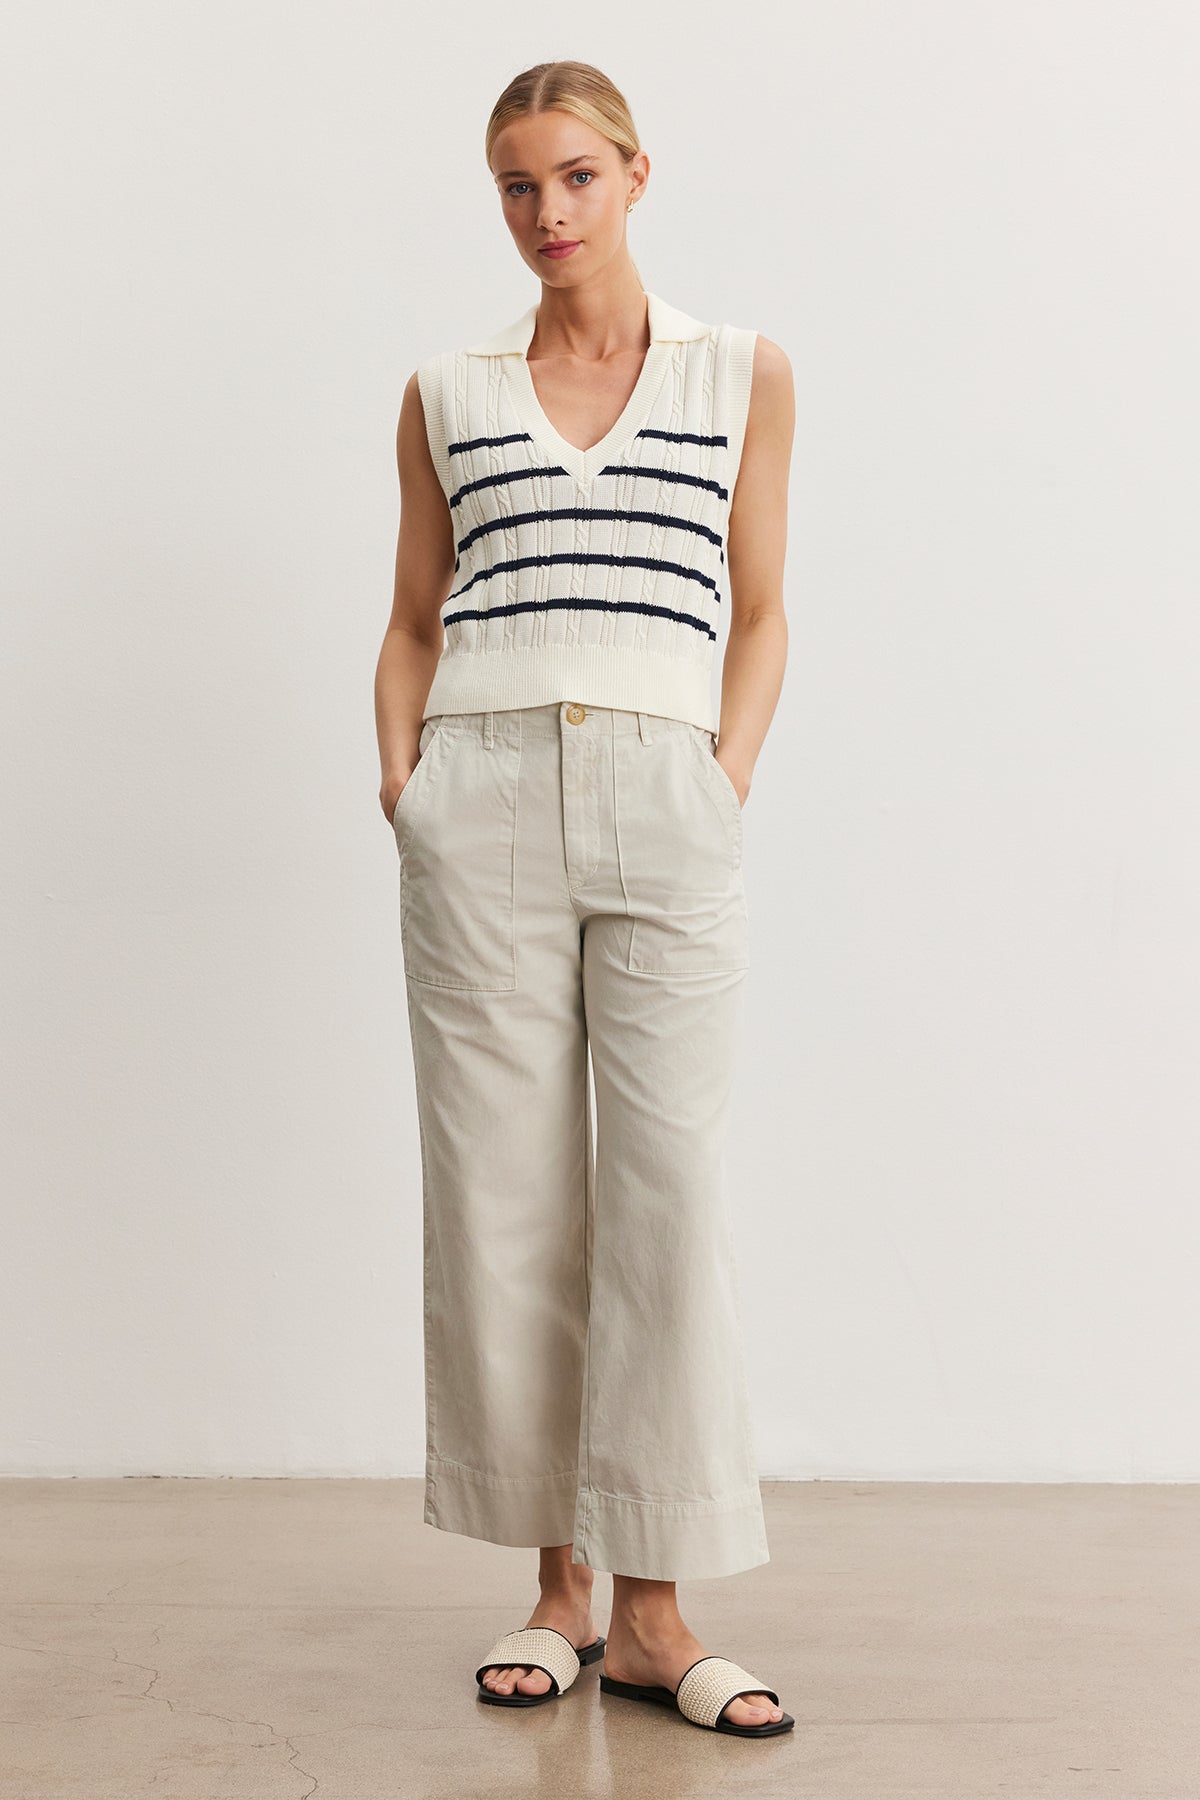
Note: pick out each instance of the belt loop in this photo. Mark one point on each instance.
(644, 731)
(489, 730)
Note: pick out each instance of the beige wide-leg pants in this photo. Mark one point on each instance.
(571, 881)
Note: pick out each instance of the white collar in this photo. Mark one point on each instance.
(666, 322)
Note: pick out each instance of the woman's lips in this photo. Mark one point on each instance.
(559, 248)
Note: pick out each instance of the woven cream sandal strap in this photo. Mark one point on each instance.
(537, 1646)
(711, 1683)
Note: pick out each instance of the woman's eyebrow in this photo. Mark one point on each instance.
(508, 174)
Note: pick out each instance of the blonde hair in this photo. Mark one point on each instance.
(570, 87)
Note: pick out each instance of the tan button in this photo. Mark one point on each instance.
(576, 714)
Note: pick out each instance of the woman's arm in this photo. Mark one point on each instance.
(756, 651)
(412, 642)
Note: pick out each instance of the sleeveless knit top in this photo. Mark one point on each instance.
(590, 575)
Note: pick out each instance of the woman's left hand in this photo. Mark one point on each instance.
(739, 783)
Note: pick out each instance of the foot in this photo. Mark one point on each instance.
(657, 1654)
(566, 1608)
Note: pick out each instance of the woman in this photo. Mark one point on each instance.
(570, 851)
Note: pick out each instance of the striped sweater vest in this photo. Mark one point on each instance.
(590, 575)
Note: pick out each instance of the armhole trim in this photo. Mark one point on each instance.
(431, 379)
(738, 358)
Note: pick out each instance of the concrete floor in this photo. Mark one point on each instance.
(268, 1640)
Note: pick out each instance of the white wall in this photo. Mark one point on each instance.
(965, 1148)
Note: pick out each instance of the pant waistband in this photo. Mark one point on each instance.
(560, 717)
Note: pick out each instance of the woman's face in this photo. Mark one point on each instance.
(561, 182)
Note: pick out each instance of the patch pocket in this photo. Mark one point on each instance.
(458, 864)
(680, 857)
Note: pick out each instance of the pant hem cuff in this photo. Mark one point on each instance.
(667, 1540)
(523, 1513)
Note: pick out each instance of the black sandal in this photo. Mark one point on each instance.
(703, 1693)
(536, 1647)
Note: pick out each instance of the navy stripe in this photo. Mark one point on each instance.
(580, 605)
(586, 556)
(487, 443)
(712, 487)
(462, 445)
(498, 480)
(634, 469)
(683, 437)
(591, 512)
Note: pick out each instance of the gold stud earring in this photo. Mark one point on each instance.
(630, 207)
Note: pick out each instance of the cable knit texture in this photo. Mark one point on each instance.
(592, 575)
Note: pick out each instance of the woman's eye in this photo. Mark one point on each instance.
(589, 175)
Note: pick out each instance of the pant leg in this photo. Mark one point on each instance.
(494, 986)
(668, 1485)
(519, 836)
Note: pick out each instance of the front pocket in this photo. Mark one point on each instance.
(720, 786)
(457, 865)
(405, 797)
(718, 770)
(680, 859)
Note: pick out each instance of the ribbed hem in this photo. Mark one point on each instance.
(593, 674)
(669, 1540)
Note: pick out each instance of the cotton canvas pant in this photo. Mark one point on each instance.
(571, 884)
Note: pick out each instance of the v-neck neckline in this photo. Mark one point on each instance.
(585, 465)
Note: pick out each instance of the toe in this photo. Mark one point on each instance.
(519, 1679)
(752, 1709)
